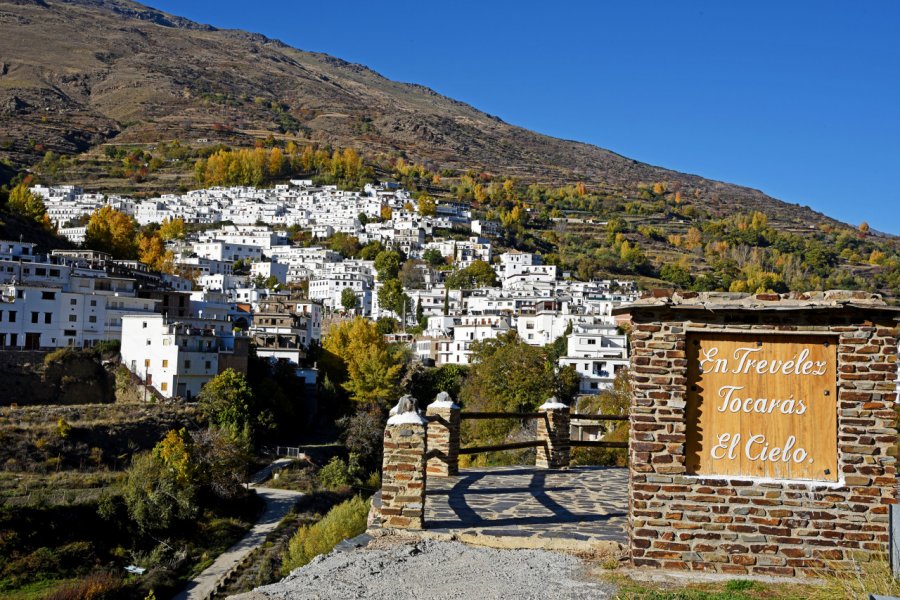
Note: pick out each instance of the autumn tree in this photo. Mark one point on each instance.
(358, 357)
(24, 202)
(161, 486)
(427, 205)
(344, 244)
(411, 275)
(152, 252)
(172, 229)
(113, 232)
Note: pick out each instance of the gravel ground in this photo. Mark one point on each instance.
(433, 570)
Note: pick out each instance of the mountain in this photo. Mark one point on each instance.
(78, 73)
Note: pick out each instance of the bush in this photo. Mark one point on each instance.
(346, 520)
(335, 474)
(97, 586)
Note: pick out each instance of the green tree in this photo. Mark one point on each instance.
(392, 297)
(387, 265)
(478, 274)
(508, 375)
(676, 274)
(433, 257)
(344, 244)
(160, 486)
(227, 401)
(349, 299)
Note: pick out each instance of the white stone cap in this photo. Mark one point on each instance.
(407, 418)
(552, 404)
(443, 400)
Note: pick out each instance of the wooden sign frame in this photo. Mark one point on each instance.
(762, 406)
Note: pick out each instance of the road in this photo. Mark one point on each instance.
(278, 504)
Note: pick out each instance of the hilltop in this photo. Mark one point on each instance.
(96, 71)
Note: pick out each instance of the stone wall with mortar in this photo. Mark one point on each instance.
(403, 471)
(764, 527)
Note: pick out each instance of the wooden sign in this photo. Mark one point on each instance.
(762, 406)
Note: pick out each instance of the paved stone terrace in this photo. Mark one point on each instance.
(582, 507)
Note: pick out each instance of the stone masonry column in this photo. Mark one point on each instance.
(443, 436)
(553, 430)
(403, 468)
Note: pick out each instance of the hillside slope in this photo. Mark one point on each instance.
(77, 73)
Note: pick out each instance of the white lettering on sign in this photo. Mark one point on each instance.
(763, 408)
(798, 365)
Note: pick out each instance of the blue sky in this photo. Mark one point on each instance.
(800, 99)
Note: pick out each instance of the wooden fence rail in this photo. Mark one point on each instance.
(498, 447)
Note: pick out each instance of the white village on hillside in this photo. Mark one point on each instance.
(242, 279)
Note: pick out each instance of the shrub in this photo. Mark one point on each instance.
(335, 474)
(97, 586)
(346, 520)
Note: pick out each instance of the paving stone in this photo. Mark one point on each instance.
(582, 504)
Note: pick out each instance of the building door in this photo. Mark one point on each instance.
(32, 341)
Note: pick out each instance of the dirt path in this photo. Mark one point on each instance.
(419, 570)
(278, 504)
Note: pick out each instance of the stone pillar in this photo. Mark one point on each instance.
(553, 430)
(443, 436)
(403, 468)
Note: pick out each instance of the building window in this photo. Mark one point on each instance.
(48, 295)
(54, 272)
(92, 319)
(146, 362)
(165, 364)
(144, 324)
(73, 301)
(592, 342)
(48, 318)
(164, 386)
(73, 318)
(93, 303)
(208, 365)
(34, 317)
(187, 364)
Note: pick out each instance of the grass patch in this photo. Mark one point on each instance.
(736, 589)
(36, 590)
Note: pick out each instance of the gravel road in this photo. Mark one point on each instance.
(433, 570)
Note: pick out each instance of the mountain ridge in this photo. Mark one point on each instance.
(115, 71)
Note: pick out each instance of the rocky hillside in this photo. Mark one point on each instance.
(78, 73)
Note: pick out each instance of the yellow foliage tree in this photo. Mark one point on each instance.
(152, 252)
(113, 232)
(372, 369)
(23, 202)
(427, 205)
(172, 229)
